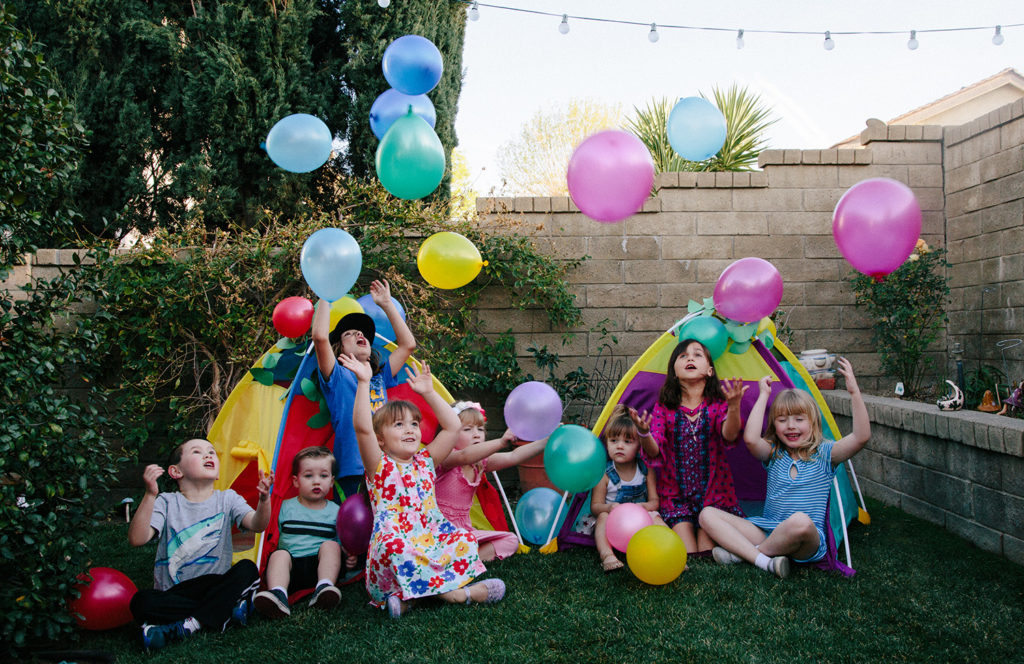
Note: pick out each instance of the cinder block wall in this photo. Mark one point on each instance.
(642, 272)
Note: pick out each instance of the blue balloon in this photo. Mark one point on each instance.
(299, 143)
(330, 262)
(696, 129)
(412, 65)
(380, 319)
(392, 104)
(535, 512)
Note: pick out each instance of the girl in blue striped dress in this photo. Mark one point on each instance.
(801, 464)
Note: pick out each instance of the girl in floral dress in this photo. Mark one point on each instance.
(684, 441)
(414, 551)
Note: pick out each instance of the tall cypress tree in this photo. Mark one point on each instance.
(177, 96)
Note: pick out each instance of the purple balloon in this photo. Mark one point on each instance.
(876, 224)
(355, 524)
(748, 290)
(533, 410)
(610, 175)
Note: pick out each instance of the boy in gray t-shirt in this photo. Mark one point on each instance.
(194, 582)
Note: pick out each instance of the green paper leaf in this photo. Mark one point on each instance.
(270, 360)
(693, 307)
(767, 339)
(741, 333)
(739, 348)
(284, 343)
(318, 421)
(309, 389)
(262, 376)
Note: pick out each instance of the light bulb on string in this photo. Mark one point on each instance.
(474, 12)
(653, 35)
(997, 38)
(739, 40)
(563, 27)
(383, 4)
(912, 42)
(829, 44)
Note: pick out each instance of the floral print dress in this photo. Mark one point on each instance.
(414, 551)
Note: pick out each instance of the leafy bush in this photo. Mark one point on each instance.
(908, 310)
(188, 316)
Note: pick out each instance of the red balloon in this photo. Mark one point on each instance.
(104, 599)
(293, 316)
(355, 523)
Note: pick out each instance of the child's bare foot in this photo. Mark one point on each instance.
(611, 563)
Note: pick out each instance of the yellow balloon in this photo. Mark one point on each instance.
(346, 305)
(448, 260)
(656, 555)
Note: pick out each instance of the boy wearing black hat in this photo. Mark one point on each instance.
(354, 335)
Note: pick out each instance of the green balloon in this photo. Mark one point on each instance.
(709, 331)
(410, 158)
(574, 458)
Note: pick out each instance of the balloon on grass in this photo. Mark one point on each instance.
(292, 316)
(412, 65)
(410, 158)
(574, 458)
(876, 224)
(104, 600)
(448, 260)
(656, 555)
(330, 262)
(535, 514)
(748, 290)
(610, 175)
(392, 104)
(709, 331)
(533, 410)
(696, 129)
(355, 524)
(299, 143)
(380, 318)
(624, 521)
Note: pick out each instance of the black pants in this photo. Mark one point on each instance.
(209, 599)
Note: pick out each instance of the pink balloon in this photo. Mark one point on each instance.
(748, 290)
(610, 175)
(876, 224)
(623, 522)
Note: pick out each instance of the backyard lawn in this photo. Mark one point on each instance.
(920, 594)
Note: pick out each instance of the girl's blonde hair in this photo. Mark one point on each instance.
(620, 424)
(392, 411)
(469, 414)
(795, 402)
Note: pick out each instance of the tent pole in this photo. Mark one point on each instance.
(558, 513)
(842, 519)
(856, 484)
(501, 490)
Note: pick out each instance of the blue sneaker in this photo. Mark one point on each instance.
(155, 637)
(243, 609)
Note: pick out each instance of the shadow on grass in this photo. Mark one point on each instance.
(921, 594)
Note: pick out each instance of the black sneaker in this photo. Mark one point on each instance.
(243, 609)
(326, 596)
(155, 637)
(272, 603)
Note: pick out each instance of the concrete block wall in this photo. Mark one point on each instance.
(642, 272)
(984, 172)
(961, 470)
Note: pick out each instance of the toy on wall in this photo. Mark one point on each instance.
(988, 403)
(954, 401)
(1015, 400)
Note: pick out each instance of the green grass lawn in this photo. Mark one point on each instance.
(920, 594)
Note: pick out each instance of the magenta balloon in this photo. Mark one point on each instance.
(748, 290)
(876, 224)
(355, 524)
(533, 410)
(610, 175)
(623, 522)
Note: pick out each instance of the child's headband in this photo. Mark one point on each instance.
(460, 406)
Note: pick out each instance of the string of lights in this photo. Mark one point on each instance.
(653, 35)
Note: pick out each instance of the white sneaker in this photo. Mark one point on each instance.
(724, 557)
(780, 566)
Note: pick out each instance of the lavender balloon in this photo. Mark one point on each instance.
(610, 175)
(876, 224)
(533, 410)
(748, 290)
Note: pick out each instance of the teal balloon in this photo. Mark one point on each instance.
(574, 458)
(410, 158)
(739, 347)
(709, 331)
(535, 514)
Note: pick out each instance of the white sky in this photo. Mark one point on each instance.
(516, 63)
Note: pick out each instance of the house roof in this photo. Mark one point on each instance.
(962, 106)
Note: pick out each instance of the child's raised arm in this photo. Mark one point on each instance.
(140, 532)
(258, 520)
(478, 452)
(362, 414)
(734, 389)
(422, 383)
(504, 460)
(758, 446)
(322, 338)
(643, 426)
(848, 445)
(380, 291)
